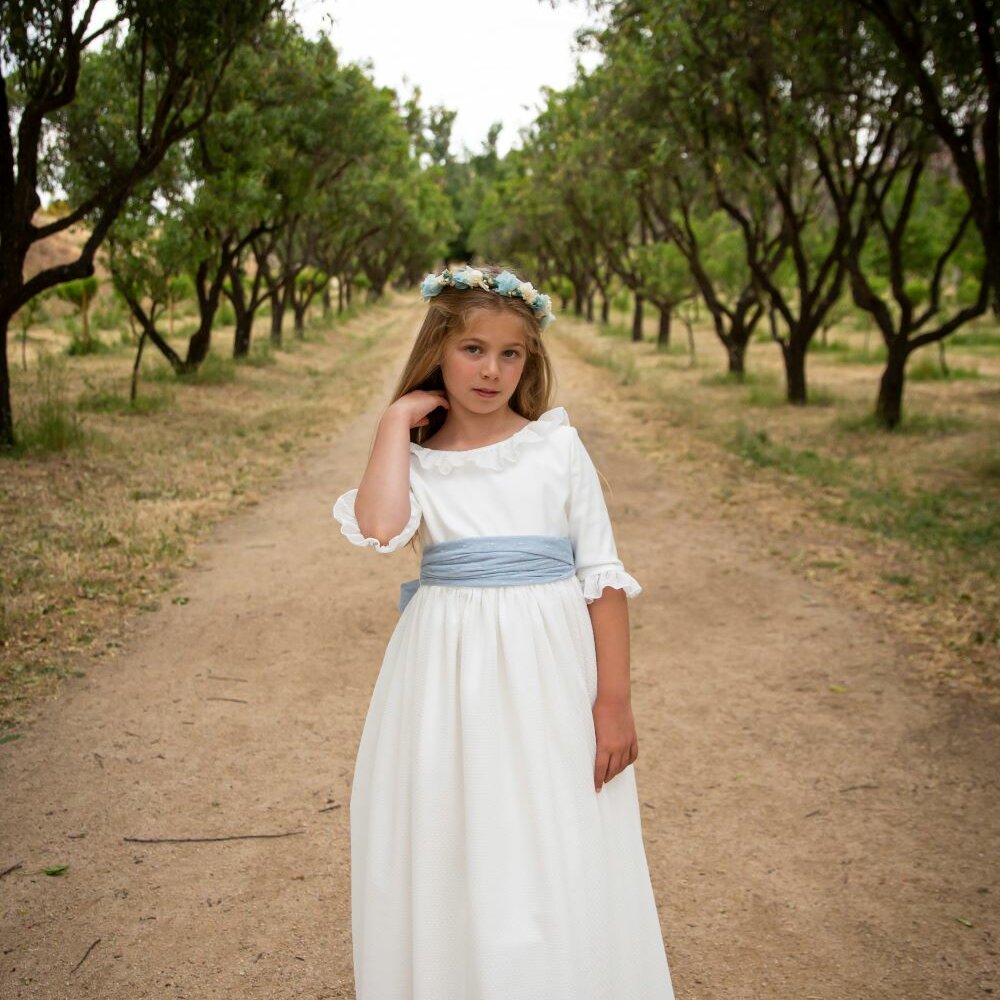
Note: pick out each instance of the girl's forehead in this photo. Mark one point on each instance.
(493, 325)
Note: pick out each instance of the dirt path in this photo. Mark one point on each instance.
(804, 842)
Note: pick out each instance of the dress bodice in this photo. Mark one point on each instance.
(539, 481)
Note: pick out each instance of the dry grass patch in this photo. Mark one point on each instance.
(905, 522)
(108, 502)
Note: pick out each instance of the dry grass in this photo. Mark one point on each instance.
(103, 525)
(906, 523)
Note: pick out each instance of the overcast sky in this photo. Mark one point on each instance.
(487, 61)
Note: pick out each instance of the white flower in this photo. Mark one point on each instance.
(474, 276)
(528, 293)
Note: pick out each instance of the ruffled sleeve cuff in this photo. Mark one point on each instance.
(343, 511)
(595, 582)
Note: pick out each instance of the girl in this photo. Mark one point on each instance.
(496, 845)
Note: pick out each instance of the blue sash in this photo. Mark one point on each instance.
(493, 561)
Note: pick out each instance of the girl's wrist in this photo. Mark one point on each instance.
(613, 699)
(395, 416)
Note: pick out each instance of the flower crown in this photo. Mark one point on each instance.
(505, 283)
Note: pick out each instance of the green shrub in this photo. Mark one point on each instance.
(104, 399)
(79, 345)
(929, 370)
(49, 423)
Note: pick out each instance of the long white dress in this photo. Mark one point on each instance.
(484, 864)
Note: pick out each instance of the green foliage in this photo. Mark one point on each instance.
(80, 346)
(225, 315)
(975, 338)
(928, 370)
(80, 293)
(181, 287)
(110, 313)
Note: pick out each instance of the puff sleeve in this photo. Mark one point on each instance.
(590, 531)
(343, 511)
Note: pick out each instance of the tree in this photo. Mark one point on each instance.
(173, 57)
(946, 55)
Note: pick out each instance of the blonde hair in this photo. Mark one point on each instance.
(448, 314)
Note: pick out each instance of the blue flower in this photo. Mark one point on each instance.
(507, 282)
(460, 278)
(432, 284)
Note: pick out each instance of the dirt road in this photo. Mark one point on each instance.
(818, 826)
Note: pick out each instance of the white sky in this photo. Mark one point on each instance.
(487, 60)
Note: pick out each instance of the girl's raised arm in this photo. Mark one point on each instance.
(383, 512)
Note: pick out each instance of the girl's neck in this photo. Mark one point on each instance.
(465, 430)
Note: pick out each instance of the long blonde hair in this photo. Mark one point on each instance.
(447, 316)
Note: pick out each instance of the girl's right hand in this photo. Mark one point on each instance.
(417, 404)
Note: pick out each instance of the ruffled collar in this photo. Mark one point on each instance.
(496, 455)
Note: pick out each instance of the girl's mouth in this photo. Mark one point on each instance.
(488, 393)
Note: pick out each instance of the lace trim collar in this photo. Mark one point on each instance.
(496, 455)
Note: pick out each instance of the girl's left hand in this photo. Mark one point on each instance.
(617, 741)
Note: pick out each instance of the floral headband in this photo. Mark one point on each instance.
(505, 283)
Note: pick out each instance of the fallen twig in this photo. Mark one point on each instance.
(242, 701)
(85, 954)
(850, 788)
(7, 871)
(193, 840)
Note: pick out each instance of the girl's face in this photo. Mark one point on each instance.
(482, 364)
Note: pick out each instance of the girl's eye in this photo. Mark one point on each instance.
(512, 351)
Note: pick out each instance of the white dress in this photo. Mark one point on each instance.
(484, 864)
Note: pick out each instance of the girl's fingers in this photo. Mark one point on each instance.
(616, 765)
(600, 768)
(606, 766)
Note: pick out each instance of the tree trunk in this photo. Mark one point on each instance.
(605, 310)
(590, 308)
(889, 404)
(663, 336)
(198, 345)
(736, 353)
(277, 317)
(794, 354)
(134, 388)
(299, 309)
(244, 329)
(340, 296)
(6, 413)
(637, 320)
(327, 304)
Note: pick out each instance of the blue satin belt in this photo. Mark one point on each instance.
(493, 561)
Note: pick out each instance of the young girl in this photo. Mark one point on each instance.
(496, 844)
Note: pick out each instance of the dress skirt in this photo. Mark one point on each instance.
(484, 864)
